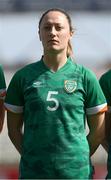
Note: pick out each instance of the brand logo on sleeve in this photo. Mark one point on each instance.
(70, 86)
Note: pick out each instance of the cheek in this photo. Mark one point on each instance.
(43, 37)
(65, 34)
(65, 37)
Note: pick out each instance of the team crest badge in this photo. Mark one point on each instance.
(70, 86)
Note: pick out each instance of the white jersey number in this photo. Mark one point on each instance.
(52, 99)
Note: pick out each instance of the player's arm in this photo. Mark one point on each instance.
(96, 124)
(105, 142)
(15, 124)
(2, 114)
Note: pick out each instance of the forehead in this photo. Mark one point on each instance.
(54, 17)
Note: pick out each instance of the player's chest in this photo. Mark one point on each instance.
(54, 90)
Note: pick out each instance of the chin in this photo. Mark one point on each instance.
(54, 51)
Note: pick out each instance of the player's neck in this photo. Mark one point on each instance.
(54, 62)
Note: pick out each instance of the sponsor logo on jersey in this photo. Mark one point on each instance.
(70, 86)
(38, 84)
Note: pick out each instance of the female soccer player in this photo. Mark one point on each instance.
(52, 98)
(105, 82)
(2, 95)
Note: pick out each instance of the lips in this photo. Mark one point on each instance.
(52, 41)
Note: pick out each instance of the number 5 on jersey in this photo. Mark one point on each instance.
(52, 99)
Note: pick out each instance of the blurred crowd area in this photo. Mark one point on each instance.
(19, 45)
(35, 5)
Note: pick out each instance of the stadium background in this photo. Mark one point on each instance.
(20, 45)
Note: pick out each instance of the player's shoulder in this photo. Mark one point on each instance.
(1, 70)
(1, 67)
(28, 69)
(31, 66)
(84, 71)
(106, 75)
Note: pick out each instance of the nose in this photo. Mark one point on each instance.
(53, 30)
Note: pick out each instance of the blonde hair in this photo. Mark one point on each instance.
(69, 49)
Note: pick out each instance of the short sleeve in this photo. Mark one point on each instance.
(105, 82)
(95, 99)
(106, 87)
(14, 98)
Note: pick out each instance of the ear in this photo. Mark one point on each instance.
(71, 33)
(39, 35)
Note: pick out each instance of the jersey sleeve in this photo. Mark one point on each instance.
(95, 99)
(105, 82)
(2, 84)
(14, 97)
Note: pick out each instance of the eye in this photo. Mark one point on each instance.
(47, 28)
(58, 28)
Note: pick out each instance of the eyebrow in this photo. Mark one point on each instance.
(49, 23)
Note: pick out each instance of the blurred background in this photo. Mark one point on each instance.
(20, 45)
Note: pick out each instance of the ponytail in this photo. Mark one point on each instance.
(69, 49)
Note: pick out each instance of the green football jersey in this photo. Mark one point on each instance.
(105, 82)
(2, 84)
(54, 106)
